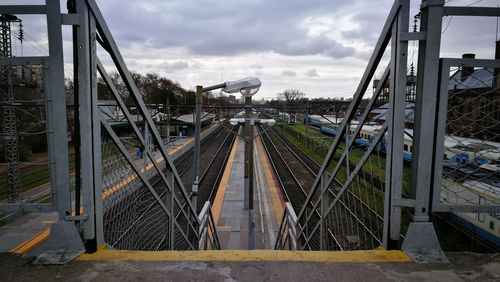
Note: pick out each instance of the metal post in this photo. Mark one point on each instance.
(168, 120)
(307, 125)
(421, 234)
(249, 171)
(197, 130)
(324, 206)
(146, 146)
(56, 112)
(171, 220)
(76, 110)
(82, 73)
(347, 161)
(395, 134)
(64, 236)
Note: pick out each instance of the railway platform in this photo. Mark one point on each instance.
(229, 213)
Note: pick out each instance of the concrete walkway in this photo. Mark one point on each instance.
(462, 267)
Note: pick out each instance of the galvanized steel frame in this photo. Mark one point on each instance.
(107, 42)
(91, 29)
(55, 107)
(445, 65)
(395, 25)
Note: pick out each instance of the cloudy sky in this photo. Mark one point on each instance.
(318, 46)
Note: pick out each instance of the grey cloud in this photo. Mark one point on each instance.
(312, 72)
(288, 73)
(174, 65)
(305, 47)
(339, 51)
(258, 73)
(316, 45)
(256, 66)
(224, 28)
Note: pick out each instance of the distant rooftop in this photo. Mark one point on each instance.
(480, 78)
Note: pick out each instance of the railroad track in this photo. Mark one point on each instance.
(292, 185)
(212, 163)
(351, 217)
(145, 229)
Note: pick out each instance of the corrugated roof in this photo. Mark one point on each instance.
(190, 117)
(480, 78)
(382, 112)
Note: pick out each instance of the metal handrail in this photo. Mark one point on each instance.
(208, 238)
(287, 231)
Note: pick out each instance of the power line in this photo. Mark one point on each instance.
(451, 17)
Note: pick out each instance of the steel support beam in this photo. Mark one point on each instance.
(395, 134)
(472, 11)
(64, 235)
(421, 235)
(84, 109)
(24, 9)
(21, 61)
(197, 146)
(249, 168)
(56, 112)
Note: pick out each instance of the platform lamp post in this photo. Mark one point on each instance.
(246, 86)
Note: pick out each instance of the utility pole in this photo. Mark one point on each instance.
(197, 145)
(168, 120)
(307, 124)
(249, 170)
(9, 123)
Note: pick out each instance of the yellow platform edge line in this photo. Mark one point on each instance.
(32, 242)
(370, 256)
(272, 186)
(221, 190)
(37, 239)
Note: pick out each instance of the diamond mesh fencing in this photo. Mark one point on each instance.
(349, 200)
(144, 207)
(471, 148)
(355, 220)
(354, 202)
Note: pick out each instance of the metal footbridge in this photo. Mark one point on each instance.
(358, 197)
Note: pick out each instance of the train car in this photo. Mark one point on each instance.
(315, 120)
(462, 188)
(464, 150)
(457, 149)
(286, 118)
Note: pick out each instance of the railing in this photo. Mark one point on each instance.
(208, 232)
(287, 235)
(451, 153)
(353, 209)
(119, 199)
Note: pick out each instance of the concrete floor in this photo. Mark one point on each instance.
(462, 267)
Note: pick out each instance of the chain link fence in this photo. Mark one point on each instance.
(468, 150)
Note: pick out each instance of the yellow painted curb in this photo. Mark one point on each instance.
(255, 255)
(221, 190)
(273, 187)
(32, 242)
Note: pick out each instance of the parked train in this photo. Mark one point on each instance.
(461, 150)
(476, 166)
